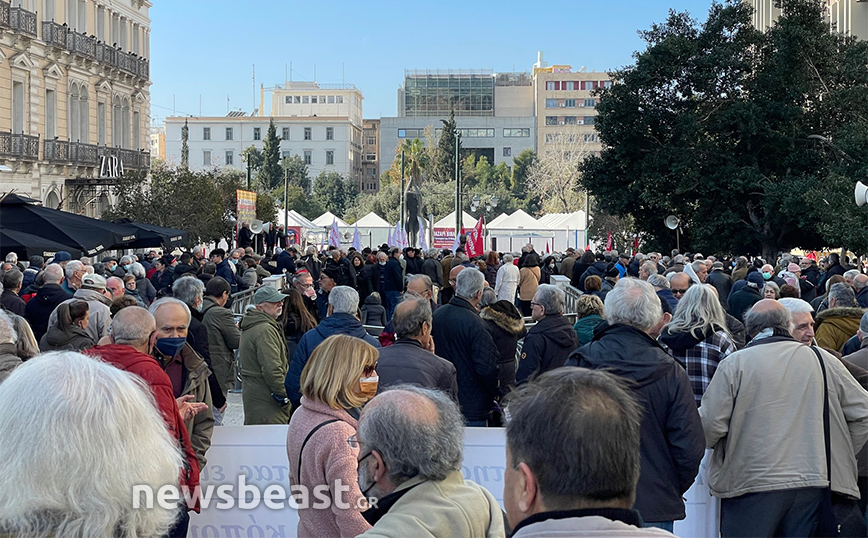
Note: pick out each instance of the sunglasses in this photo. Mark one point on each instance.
(678, 292)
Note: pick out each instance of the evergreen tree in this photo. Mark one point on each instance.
(445, 167)
(185, 146)
(271, 174)
(297, 173)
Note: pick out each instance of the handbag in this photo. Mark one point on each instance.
(827, 523)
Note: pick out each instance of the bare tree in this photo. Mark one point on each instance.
(554, 177)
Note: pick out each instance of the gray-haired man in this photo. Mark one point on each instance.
(549, 342)
(411, 442)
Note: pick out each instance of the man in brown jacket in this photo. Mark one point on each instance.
(840, 321)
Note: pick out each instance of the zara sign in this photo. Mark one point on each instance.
(110, 166)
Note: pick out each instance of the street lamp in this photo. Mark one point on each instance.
(457, 185)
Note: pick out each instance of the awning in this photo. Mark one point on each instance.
(151, 235)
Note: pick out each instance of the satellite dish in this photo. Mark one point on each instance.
(861, 193)
(671, 222)
(256, 226)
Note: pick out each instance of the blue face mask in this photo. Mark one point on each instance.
(127, 267)
(170, 346)
(767, 276)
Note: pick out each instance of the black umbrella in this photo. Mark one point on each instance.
(26, 245)
(90, 236)
(151, 235)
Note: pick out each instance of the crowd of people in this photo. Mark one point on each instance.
(377, 360)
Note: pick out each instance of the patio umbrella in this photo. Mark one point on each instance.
(151, 235)
(90, 236)
(26, 245)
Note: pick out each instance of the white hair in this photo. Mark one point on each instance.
(7, 329)
(469, 283)
(344, 300)
(551, 298)
(507, 259)
(796, 306)
(53, 274)
(169, 300)
(12, 258)
(658, 281)
(188, 289)
(698, 313)
(851, 274)
(72, 267)
(633, 302)
(137, 270)
(92, 433)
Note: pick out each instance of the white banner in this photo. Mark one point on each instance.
(256, 455)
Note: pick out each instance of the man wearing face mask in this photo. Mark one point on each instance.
(132, 339)
(187, 371)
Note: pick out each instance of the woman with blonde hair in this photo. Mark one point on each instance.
(589, 316)
(338, 379)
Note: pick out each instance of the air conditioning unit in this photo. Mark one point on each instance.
(562, 105)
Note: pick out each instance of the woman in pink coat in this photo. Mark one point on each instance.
(337, 380)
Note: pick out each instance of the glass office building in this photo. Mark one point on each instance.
(437, 93)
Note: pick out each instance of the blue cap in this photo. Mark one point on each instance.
(62, 256)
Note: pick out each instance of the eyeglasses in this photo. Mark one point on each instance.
(353, 441)
(532, 304)
(678, 292)
(369, 370)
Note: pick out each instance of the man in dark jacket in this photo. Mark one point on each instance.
(461, 338)
(721, 281)
(432, 269)
(833, 268)
(51, 294)
(393, 281)
(343, 305)
(414, 262)
(344, 270)
(245, 236)
(328, 279)
(551, 340)
(411, 358)
(223, 270)
(810, 270)
(750, 294)
(9, 299)
(673, 442)
(37, 264)
(285, 263)
(598, 269)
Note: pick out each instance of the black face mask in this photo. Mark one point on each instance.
(373, 482)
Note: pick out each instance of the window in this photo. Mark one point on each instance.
(100, 123)
(137, 129)
(287, 100)
(570, 85)
(206, 133)
(307, 153)
(296, 99)
(307, 133)
(331, 99)
(257, 133)
(590, 137)
(100, 22)
(330, 157)
(516, 133)
(507, 151)
(371, 157)
(590, 103)
(473, 133)
(551, 120)
(551, 103)
(50, 114)
(313, 99)
(569, 120)
(339, 99)
(589, 120)
(229, 160)
(606, 84)
(285, 154)
(550, 85)
(372, 141)
(330, 133)
(285, 135)
(18, 108)
(229, 133)
(373, 173)
(206, 158)
(570, 103)
(305, 99)
(322, 99)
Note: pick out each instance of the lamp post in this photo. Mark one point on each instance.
(403, 202)
(457, 186)
(248, 172)
(285, 199)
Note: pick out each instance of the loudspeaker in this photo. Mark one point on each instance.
(256, 226)
(861, 193)
(671, 222)
(266, 227)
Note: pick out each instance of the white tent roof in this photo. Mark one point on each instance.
(327, 218)
(296, 219)
(519, 221)
(497, 220)
(449, 221)
(372, 220)
(564, 221)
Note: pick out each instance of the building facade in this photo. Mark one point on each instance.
(849, 17)
(370, 182)
(74, 98)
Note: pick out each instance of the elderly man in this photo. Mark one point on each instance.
(93, 291)
(224, 337)
(411, 358)
(74, 272)
(9, 299)
(697, 271)
(115, 287)
(770, 465)
(421, 286)
(508, 277)
(549, 342)
(721, 281)
(647, 269)
(9, 359)
(262, 352)
(679, 283)
(750, 293)
(186, 369)
(341, 318)
(840, 321)
(661, 287)
(810, 270)
(462, 339)
(412, 441)
(245, 235)
(860, 285)
(328, 279)
(132, 339)
(672, 442)
(432, 269)
(547, 491)
(47, 298)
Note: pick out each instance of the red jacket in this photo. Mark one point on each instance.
(128, 359)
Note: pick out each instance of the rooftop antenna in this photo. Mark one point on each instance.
(342, 72)
(200, 104)
(254, 86)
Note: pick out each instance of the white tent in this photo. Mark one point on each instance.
(467, 221)
(518, 221)
(373, 229)
(568, 229)
(497, 220)
(327, 218)
(371, 220)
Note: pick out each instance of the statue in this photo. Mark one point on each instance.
(413, 205)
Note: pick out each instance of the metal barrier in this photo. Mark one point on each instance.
(240, 302)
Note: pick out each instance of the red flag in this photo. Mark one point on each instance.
(474, 242)
(609, 243)
(635, 244)
(547, 247)
(812, 255)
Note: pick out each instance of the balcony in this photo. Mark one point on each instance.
(78, 153)
(131, 159)
(19, 19)
(19, 146)
(89, 47)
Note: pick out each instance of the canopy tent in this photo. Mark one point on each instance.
(373, 230)
(497, 220)
(90, 236)
(151, 235)
(564, 221)
(467, 221)
(326, 219)
(372, 220)
(518, 221)
(26, 245)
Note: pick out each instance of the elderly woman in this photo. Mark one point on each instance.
(337, 380)
(771, 291)
(697, 337)
(589, 314)
(528, 283)
(98, 406)
(147, 291)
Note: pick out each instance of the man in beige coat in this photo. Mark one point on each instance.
(410, 443)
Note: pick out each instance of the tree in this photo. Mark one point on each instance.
(253, 160)
(554, 176)
(185, 146)
(416, 159)
(299, 201)
(331, 191)
(444, 169)
(712, 124)
(270, 173)
(297, 172)
(521, 166)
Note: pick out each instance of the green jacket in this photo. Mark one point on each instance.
(223, 339)
(585, 326)
(263, 369)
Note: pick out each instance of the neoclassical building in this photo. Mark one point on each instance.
(74, 98)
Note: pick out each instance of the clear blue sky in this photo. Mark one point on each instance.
(208, 48)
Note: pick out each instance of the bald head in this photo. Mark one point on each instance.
(767, 314)
(453, 274)
(415, 407)
(860, 282)
(115, 286)
(679, 283)
(133, 326)
(767, 305)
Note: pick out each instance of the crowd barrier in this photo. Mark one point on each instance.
(258, 453)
